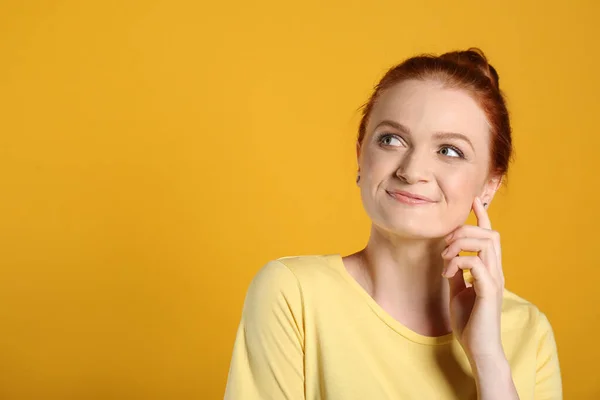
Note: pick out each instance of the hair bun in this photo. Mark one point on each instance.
(474, 58)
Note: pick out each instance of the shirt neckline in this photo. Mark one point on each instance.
(335, 260)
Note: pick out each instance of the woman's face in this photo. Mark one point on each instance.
(430, 141)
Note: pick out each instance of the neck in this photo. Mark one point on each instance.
(403, 275)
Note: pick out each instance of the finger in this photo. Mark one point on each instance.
(468, 231)
(477, 232)
(457, 282)
(484, 248)
(483, 282)
(483, 219)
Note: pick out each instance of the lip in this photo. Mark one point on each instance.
(409, 198)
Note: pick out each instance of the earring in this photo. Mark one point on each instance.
(484, 205)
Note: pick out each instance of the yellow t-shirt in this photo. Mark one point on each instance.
(310, 331)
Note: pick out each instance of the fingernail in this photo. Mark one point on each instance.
(448, 237)
(445, 251)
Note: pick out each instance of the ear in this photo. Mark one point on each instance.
(490, 188)
(357, 150)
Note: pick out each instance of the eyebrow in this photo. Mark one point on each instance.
(437, 135)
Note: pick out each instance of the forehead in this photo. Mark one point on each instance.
(427, 107)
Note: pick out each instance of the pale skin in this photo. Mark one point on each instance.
(407, 147)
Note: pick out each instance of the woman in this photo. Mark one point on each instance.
(399, 319)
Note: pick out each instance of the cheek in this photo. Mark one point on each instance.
(378, 168)
(458, 188)
(458, 195)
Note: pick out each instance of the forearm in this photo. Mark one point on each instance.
(493, 379)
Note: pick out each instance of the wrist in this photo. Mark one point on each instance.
(493, 354)
(492, 374)
(494, 364)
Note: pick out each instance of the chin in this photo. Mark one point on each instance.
(412, 227)
(407, 232)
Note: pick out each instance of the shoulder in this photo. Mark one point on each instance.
(275, 299)
(287, 270)
(526, 328)
(293, 277)
(273, 302)
(519, 313)
(285, 276)
(307, 265)
(273, 283)
(515, 305)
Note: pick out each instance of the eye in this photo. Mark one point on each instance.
(387, 138)
(449, 150)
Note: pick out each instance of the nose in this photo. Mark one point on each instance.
(414, 167)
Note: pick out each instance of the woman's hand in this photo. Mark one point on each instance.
(475, 310)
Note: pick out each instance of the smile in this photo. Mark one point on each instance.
(407, 199)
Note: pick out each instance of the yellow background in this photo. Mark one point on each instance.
(155, 154)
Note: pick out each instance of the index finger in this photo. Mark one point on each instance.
(483, 219)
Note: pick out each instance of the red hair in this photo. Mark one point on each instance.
(468, 70)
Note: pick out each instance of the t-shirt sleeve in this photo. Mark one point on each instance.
(268, 353)
(548, 382)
